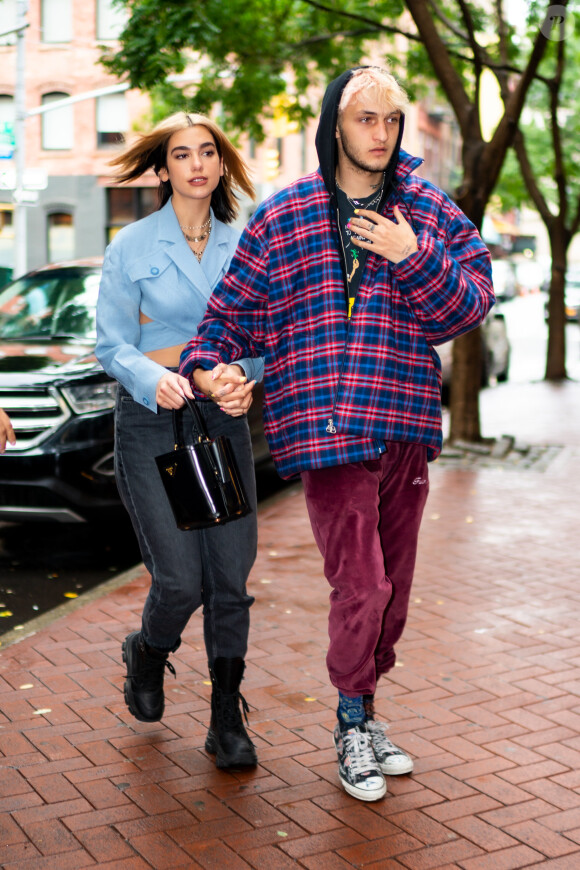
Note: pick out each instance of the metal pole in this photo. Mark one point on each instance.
(20, 251)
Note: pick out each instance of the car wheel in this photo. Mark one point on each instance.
(486, 365)
(503, 375)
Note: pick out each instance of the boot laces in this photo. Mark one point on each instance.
(229, 711)
(360, 749)
(151, 671)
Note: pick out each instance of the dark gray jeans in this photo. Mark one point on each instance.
(208, 567)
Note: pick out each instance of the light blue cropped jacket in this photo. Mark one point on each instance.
(149, 268)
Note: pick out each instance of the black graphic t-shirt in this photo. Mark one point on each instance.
(355, 257)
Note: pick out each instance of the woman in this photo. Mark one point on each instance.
(157, 277)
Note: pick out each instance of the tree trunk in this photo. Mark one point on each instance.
(465, 384)
(467, 351)
(556, 356)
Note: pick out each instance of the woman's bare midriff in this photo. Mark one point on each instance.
(165, 356)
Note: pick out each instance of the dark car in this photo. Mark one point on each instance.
(5, 275)
(60, 400)
(495, 353)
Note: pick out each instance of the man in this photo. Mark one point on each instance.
(344, 281)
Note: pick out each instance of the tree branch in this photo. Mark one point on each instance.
(344, 34)
(501, 31)
(363, 19)
(441, 62)
(477, 50)
(575, 225)
(559, 169)
(453, 28)
(530, 180)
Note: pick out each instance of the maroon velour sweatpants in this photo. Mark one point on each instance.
(366, 517)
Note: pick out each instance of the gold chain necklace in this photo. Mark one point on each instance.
(202, 236)
(190, 239)
(196, 226)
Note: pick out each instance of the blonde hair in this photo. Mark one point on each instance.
(382, 84)
(150, 152)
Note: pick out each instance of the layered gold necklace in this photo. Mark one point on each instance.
(202, 237)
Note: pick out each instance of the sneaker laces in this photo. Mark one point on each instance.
(378, 731)
(360, 749)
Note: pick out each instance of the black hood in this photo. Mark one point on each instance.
(326, 146)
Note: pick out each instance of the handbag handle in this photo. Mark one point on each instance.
(199, 425)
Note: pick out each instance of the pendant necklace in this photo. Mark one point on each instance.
(354, 255)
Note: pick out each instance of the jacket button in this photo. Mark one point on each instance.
(154, 270)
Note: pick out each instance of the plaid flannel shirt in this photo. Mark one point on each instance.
(374, 378)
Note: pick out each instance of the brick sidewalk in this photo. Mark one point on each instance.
(486, 696)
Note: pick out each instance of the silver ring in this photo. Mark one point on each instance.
(372, 227)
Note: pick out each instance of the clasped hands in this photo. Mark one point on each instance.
(393, 240)
(225, 384)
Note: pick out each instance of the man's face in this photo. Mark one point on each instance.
(367, 133)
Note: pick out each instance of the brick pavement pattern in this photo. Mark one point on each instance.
(485, 697)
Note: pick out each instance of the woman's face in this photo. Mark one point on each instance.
(194, 166)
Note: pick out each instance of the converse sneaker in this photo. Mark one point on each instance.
(357, 767)
(390, 758)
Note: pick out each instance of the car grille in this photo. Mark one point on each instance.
(35, 413)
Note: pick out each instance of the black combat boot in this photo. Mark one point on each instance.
(227, 737)
(144, 684)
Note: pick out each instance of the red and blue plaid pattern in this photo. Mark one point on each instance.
(284, 299)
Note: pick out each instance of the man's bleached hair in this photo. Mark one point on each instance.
(381, 85)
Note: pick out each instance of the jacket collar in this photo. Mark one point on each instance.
(407, 164)
(206, 273)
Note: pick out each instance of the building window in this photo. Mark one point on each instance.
(128, 204)
(56, 21)
(6, 242)
(112, 120)
(7, 141)
(7, 111)
(57, 124)
(111, 19)
(61, 237)
(9, 19)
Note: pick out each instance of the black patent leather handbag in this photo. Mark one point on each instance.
(202, 480)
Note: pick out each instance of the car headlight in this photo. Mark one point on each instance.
(86, 398)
